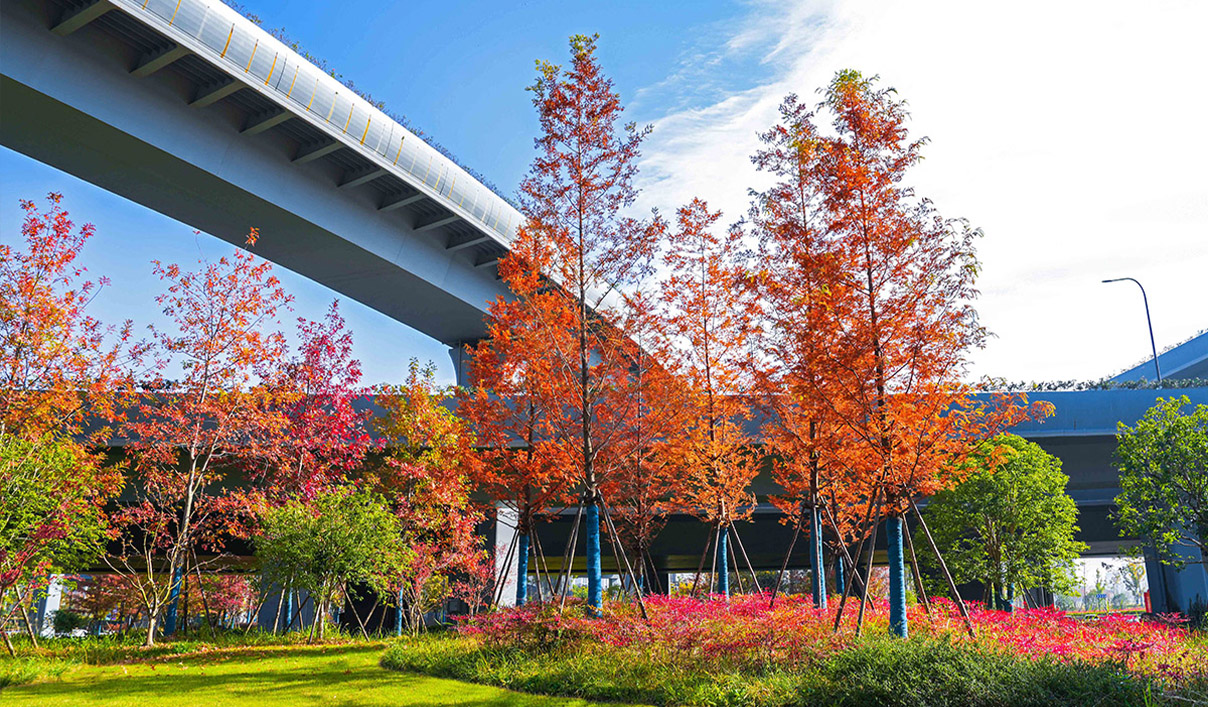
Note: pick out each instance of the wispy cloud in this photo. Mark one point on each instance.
(1070, 132)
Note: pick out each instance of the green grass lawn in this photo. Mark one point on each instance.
(288, 675)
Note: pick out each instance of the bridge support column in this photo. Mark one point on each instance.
(1172, 589)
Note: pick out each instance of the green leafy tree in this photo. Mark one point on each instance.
(1163, 463)
(52, 495)
(343, 536)
(1010, 523)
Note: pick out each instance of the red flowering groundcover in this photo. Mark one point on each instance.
(744, 633)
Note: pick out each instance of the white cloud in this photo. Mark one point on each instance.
(1071, 132)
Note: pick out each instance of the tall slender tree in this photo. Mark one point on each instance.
(710, 313)
(425, 477)
(797, 282)
(906, 319)
(573, 255)
(648, 482)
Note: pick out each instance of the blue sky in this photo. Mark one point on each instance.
(1063, 133)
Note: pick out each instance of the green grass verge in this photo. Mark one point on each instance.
(289, 676)
(878, 671)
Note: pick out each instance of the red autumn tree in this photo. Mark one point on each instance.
(425, 476)
(327, 436)
(575, 252)
(217, 419)
(904, 314)
(709, 314)
(64, 377)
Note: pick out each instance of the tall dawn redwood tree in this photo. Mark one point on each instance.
(575, 253)
(515, 463)
(798, 277)
(219, 416)
(904, 316)
(711, 312)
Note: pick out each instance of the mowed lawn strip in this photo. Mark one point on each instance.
(292, 676)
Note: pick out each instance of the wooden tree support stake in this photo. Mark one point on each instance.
(956, 595)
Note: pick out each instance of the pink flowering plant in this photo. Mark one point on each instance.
(744, 634)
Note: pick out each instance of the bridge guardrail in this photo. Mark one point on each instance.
(253, 56)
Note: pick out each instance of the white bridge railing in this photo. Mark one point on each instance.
(259, 61)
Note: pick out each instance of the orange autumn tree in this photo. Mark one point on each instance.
(216, 419)
(799, 275)
(709, 312)
(572, 256)
(904, 315)
(64, 380)
(647, 483)
(515, 463)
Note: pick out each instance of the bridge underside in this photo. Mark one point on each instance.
(73, 102)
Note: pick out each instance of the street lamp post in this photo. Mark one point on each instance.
(1149, 321)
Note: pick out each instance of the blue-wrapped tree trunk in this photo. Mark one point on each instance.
(816, 564)
(897, 577)
(595, 579)
(840, 578)
(522, 554)
(173, 603)
(398, 614)
(723, 567)
(287, 621)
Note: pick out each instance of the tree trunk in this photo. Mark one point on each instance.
(897, 578)
(816, 564)
(595, 578)
(289, 610)
(173, 601)
(522, 557)
(723, 569)
(150, 628)
(398, 616)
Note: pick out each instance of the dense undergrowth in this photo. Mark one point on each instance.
(712, 653)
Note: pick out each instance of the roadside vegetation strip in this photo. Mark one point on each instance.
(344, 674)
(876, 671)
(694, 652)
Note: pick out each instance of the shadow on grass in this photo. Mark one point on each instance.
(331, 675)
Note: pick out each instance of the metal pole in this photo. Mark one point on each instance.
(1148, 320)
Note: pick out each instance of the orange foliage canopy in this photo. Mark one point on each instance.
(709, 316)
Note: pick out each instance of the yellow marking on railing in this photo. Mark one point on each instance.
(348, 122)
(332, 110)
(400, 150)
(271, 69)
(428, 171)
(227, 46)
(173, 18)
(312, 94)
(439, 176)
(147, 1)
(253, 56)
(364, 134)
(291, 83)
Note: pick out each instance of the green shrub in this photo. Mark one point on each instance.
(877, 671)
(66, 621)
